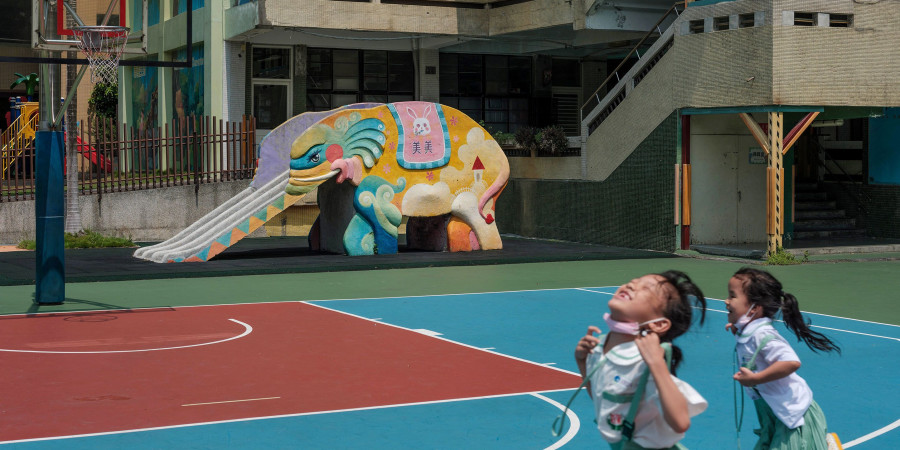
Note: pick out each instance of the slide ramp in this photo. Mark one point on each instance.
(224, 226)
(249, 209)
(95, 157)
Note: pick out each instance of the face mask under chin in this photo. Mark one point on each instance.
(632, 328)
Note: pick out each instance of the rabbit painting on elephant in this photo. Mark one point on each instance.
(425, 161)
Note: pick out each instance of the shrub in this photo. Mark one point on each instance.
(85, 239)
(553, 140)
(526, 138)
(782, 258)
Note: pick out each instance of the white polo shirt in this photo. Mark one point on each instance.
(789, 397)
(613, 386)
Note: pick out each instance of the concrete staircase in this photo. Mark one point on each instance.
(816, 216)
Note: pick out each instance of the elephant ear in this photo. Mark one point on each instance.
(365, 139)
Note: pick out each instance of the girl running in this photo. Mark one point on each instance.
(789, 418)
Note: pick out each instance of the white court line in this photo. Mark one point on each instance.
(175, 308)
(281, 416)
(871, 435)
(826, 328)
(596, 292)
(232, 401)
(247, 330)
(450, 341)
(573, 419)
(829, 315)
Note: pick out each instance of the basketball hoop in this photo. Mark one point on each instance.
(103, 46)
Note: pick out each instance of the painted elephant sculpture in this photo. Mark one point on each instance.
(424, 161)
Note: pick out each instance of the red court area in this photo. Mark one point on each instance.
(71, 374)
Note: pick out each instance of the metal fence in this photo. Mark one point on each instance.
(116, 157)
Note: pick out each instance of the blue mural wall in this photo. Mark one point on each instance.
(188, 89)
(181, 5)
(145, 97)
(152, 13)
(884, 148)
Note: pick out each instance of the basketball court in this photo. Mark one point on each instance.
(489, 369)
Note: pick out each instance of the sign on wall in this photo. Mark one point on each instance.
(757, 155)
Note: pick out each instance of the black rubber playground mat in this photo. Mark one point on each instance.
(292, 255)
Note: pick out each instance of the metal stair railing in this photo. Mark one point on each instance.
(596, 109)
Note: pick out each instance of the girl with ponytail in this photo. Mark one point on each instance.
(789, 418)
(629, 372)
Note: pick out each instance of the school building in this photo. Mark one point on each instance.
(677, 118)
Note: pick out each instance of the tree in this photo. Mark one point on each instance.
(30, 81)
(102, 106)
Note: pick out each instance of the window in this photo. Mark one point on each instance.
(746, 20)
(840, 20)
(17, 26)
(490, 88)
(720, 23)
(804, 19)
(272, 63)
(695, 26)
(270, 104)
(271, 80)
(340, 77)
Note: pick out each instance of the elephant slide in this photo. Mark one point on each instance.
(250, 208)
(424, 161)
(375, 164)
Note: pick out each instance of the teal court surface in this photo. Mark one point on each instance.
(446, 357)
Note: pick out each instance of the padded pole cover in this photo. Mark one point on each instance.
(49, 214)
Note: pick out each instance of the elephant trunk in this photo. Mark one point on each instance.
(494, 191)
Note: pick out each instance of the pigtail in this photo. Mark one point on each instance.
(764, 290)
(790, 312)
(680, 310)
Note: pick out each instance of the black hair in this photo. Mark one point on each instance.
(680, 309)
(765, 291)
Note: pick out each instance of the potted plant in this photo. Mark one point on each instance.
(553, 140)
(505, 139)
(30, 81)
(526, 139)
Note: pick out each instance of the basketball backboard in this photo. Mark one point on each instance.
(52, 22)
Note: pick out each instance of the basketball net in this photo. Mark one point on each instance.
(103, 46)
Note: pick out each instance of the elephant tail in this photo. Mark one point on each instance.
(494, 191)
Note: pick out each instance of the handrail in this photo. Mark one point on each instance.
(615, 72)
(859, 201)
(13, 141)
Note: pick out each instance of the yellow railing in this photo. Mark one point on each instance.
(19, 135)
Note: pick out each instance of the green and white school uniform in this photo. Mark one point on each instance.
(789, 418)
(613, 387)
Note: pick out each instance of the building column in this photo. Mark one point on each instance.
(429, 77)
(775, 182)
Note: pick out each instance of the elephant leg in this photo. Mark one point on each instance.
(458, 236)
(465, 207)
(373, 205)
(359, 238)
(427, 233)
(314, 238)
(336, 210)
